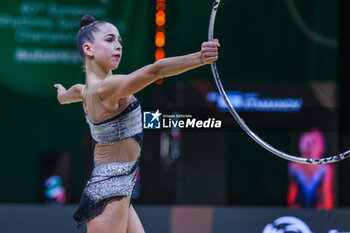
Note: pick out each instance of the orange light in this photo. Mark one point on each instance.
(160, 21)
(160, 39)
(160, 18)
(160, 35)
(160, 54)
(160, 14)
(160, 81)
(160, 42)
(160, 6)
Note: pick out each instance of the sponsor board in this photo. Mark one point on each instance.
(290, 224)
(252, 102)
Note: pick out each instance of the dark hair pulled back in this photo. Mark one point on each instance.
(88, 25)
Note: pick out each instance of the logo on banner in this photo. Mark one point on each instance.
(287, 224)
(252, 102)
(151, 120)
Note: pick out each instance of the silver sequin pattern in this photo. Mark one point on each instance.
(111, 179)
(123, 127)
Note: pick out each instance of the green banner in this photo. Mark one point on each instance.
(39, 40)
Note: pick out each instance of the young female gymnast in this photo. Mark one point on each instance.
(114, 117)
(311, 185)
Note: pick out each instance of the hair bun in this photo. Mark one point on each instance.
(86, 20)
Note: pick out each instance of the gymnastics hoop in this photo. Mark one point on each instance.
(240, 121)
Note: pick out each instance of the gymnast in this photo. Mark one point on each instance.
(114, 117)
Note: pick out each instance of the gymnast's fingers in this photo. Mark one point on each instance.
(210, 54)
(211, 59)
(212, 44)
(59, 87)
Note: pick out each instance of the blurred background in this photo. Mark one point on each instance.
(283, 63)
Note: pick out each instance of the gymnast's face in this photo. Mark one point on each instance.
(107, 49)
(308, 146)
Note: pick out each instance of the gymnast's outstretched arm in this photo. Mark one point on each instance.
(115, 87)
(72, 95)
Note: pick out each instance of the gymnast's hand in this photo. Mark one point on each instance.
(72, 95)
(209, 51)
(60, 93)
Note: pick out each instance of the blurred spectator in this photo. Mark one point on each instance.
(311, 185)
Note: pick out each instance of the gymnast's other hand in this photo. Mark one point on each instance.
(60, 93)
(209, 51)
(73, 95)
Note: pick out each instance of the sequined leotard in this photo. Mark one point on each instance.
(112, 180)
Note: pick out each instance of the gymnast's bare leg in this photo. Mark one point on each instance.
(134, 223)
(114, 218)
(117, 217)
